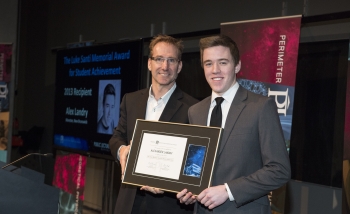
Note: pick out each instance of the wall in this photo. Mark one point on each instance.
(8, 21)
(45, 25)
(34, 99)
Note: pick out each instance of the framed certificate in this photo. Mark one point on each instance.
(172, 156)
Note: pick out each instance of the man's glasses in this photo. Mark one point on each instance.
(160, 60)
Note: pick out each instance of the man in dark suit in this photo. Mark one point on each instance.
(252, 158)
(163, 101)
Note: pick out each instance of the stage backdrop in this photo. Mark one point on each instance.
(269, 51)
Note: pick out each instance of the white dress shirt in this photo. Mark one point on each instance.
(155, 107)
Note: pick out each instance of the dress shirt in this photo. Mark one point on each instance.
(225, 105)
(155, 107)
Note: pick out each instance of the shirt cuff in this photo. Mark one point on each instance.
(118, 157)
(229, 193)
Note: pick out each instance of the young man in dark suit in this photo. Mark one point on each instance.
(163, 101)
(252, 158)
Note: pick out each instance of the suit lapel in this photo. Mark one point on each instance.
(141, 113)
(236, 108)
(202, 112)
(172, 106)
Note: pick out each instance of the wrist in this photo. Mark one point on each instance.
(230, 196)
(118, 152)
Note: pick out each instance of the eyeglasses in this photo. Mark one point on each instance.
(160, 60)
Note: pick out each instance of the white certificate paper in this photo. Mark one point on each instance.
(161, 155)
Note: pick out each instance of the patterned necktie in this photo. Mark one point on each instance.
(216, 115)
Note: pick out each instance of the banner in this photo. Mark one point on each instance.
(346, 156)
(69, 177)
(5, 78)
(269, 53)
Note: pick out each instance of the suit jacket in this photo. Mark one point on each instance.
(132, 107)
(252, 157)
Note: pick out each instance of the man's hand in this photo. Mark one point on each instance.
(186, 197)
(213, 196)
(152, 190)
(123, 155)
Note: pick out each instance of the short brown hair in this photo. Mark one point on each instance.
(167, 39)
(109, 89)
(219, 40)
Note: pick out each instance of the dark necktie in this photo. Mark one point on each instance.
(216, 115)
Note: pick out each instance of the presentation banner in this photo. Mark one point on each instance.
(347, 119)
(5, 62)
(5, 78)
(346, 157)
(69, 177)
(269, 53)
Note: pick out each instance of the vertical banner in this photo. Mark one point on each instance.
(69, 177)
(346, 156)
(269, 53)
(5, 78)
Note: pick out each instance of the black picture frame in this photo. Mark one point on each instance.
(198, 160)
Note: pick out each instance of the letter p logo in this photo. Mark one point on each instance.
(3, 90)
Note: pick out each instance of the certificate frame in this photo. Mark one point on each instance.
(158, 148)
